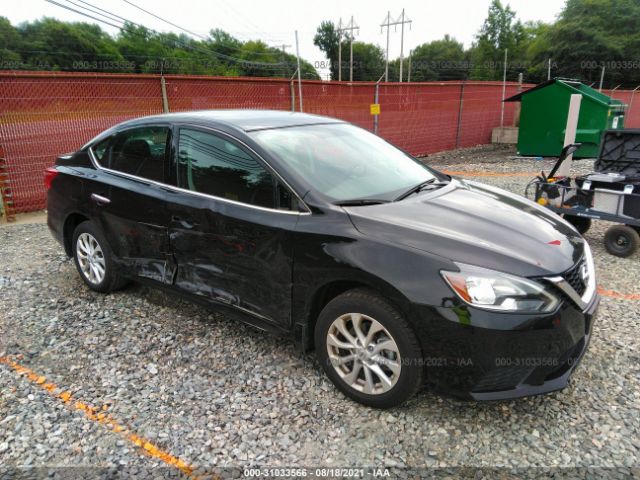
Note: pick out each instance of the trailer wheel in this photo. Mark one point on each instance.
(621, 240)
(582, 224)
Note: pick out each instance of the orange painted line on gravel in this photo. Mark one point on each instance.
(462, 173)
(99, 415)
(618, 295)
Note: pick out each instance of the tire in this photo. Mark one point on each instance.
(369, 310)
(582, 224)
(621, 240)
(90, 252)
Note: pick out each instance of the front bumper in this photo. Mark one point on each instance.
(474, 354)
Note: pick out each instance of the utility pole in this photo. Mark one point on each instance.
(409, 69)
(352, 27)
(388, 23)
(402, 22)
(386, 64)
(340, 50)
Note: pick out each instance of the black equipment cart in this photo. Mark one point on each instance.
(611, 193)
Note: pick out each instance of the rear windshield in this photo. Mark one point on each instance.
(344, 162)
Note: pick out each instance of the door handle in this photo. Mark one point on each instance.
(184, 223)
(100, 200)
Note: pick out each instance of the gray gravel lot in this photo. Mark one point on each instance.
(216, 393)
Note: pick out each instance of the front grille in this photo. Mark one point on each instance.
(574, 277)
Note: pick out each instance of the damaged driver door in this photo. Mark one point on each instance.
(231, 227)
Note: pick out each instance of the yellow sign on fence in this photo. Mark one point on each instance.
(374, 108)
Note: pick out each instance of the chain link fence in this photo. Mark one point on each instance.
(44, 114)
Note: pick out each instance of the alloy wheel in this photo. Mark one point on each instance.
(90, 258)
(363, 353)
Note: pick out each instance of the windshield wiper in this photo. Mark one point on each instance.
(417, 188)
(358, 202)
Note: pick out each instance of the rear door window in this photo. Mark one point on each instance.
(141, 152)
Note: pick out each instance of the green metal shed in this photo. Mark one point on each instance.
(543, 118)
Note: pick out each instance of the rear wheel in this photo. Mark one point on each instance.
(582, 224)
(94, 260)
(368, 349)
(621, 240)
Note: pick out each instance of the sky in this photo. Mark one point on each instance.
(275, 21)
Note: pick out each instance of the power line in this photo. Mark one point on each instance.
(114, 18)
(83, 14)
(122, 19)
(160, 35)
(166, 21)
(246, 21)
(190, 32)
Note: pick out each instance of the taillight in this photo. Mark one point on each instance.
(49, 174)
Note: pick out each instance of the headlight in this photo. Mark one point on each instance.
(499, 291)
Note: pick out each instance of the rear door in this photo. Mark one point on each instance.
(231, 227)
(129, 200)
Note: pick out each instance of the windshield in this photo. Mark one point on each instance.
(344, 162)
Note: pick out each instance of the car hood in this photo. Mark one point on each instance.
(476, 224)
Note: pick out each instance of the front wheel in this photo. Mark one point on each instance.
(93, 259)
(368, 350)
(621, 240)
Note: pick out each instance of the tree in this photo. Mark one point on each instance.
(49, 44)
(326, 39)
(590, 34)
(501, 30)
(10, 45)
(536, 56)
(368, 59)
(368, 62)
(438, 60)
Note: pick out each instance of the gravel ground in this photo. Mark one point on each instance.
(218, 394)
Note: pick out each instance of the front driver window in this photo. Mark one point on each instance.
(208, 163)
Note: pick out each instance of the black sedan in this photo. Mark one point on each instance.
(311, 227)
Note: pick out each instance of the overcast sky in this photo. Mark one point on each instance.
(275, 21)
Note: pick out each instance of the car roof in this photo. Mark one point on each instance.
(247, 120)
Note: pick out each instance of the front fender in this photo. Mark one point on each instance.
(404, 275)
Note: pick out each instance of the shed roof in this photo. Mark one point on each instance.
(574, 85)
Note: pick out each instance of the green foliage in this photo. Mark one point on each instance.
(438, 60)
(10, 42)
(368, 59)
(326, 39)
(593, 33)
(49, 44)
(501, 31)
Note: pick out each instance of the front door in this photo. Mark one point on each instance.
(231, 227)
